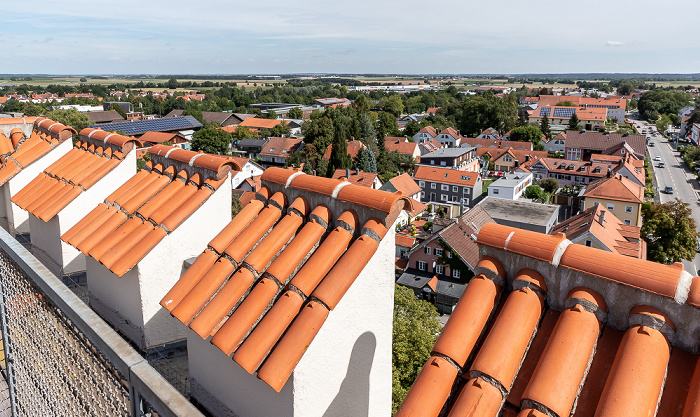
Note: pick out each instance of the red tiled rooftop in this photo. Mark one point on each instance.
(361, 178)
(119, 232)
(243, 291)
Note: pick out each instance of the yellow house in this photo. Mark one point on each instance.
(619, 195)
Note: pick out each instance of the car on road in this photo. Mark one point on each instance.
(651, 144)
(657, 158)
(662, 165)
(668, 189)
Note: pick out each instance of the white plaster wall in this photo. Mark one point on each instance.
(249, 170)
(46, 237)
(346, 370)
(160, 269)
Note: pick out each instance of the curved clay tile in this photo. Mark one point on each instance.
(589, 295)
(529, 412)
(694, 294)
(222, 166)
(319, 185)
(236, 226)
(277, 175)
(430, 389)
(390, 203)
(6, 147)
(646, 275)
(531, 276)
(349, 217)
(652, 312)
(189, 279)
(478, 398)
(492, 264)
(692, 403)
(523, 242)
(16, 135)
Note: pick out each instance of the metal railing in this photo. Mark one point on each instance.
(62, 359)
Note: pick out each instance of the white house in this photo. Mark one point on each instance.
(78, 181)
(511, 186)
(26, 157)
(307, 323)
(425, 135)
(449, 138)
(249, 169)
(137, 240)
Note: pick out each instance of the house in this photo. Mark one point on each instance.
(23, 158)
(402, 146)
(581, 145)
(59, 196)
(489, 133)
(247, 169)
(508, 159)
(462, 159)
(164, 138)
(524, 215)
(695, 134)
(299, 305)
(433, 110)
(599, 228)
(511, 185)
(559, 116)
(556, 144)
(168, 210)
(405, 185)
(332, 102)
(425, 134)
(361, 178)
(567, 172)
(429, 146)
(354, 147)
(264, 126)
(438, 267)
(495, 143)
(276, 151)
(453, 189)
(614, 106)
(220, 118)
(573, 330)
(619, 195)
(252, 147)
(138, 128)
(104, 116)
(449, 138)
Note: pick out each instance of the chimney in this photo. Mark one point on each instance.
(601, 219)
(357, 171)
(610, 173)
(347, 173)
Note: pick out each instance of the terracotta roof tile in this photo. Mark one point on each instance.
(523, 242)
(445, 175)
(677, 386)
(404, 184)
(133, 219)
(692, 403)
(616, 187)
(268, 305)
(361, 178)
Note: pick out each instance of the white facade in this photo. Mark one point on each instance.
(695, 134)
(617, 114)
(346, 370)
(422, 137)
(249, 170)
(448, 141)
(511, 186)
(17, 218)
(46, 236)
(131, 303)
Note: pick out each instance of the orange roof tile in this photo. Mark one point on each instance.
(258, 123)
(616, 188)
(523, 242)
(132, 220)
(406, 241)
(361, 178)
(445, 175)
(243, 290)
(403, 183)
(354, 147)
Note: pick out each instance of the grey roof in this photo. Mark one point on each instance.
(448, 152)
(156, 125)
(519, 211)
(252, 142)
(510, 179)
(414, 279)
(105, 116)
(217, 117)
(450, 288)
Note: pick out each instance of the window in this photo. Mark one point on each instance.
(589, 243)
(403, 254)
(421, 265)
(444, 187)
(443, 163)
(611, 206)
(443, 197)
(628, 209)
(454, 198)
(427, 250)
(449, 254)
(495, 190)
(421, 184)
(465, 191)
(465, 202)
(422, 195)
(628, 222)
(433, 185)
(432, 162)
(439, 269)
(438, 252)
(456, 273)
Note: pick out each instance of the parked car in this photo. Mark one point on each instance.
(657, 158)
(662, 165)
(668, 189)
(651, 144)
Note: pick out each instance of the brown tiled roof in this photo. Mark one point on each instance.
(253, 304)
(433, 110)
(600, 141)
(131, 221)
(496, 143)
(612, 233)
(404, 184)
(552, 343)
(445, 175)
(105, 116)
(354, 147)
(361, 178)
(93, 157)
(158, 137)
(257, 123)
(431, 145)
(451, 132)
(517, 154)
(281, 147)
(403, 240)
(418, 208)
(400, 145)
(18, 151)
(616, 187)
(429, 130)
(461, 235)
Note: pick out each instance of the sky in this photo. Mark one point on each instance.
(82, 37)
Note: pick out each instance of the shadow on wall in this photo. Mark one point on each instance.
(353, 396)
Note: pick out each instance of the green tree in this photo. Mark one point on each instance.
(319, 131)
(534, 192)
(528, 134)
(366, 131)
(414, 333)
(71, 117)
(196, 113)
(271, 114)
(549, 185)
(83, 79)
(669, 231)
(281, 130)
(117, 108)
(486, 110)
(393, 105)
(574, 122)
(387, 125)
(544, 126)
(211, 139)
(340, 159)
(663, 123)
(361, 103)
(295, 113)
(173, 84)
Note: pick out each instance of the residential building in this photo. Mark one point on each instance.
(510, 186)
(138, 128)
(429, 146)
(619, 195)
(567, 172)
(524, 215)
(489, 133)
(264, 126)
(149, 139)
(559, 116)
(402, 146)
(248, 169)
(449, 138)
(448, 187)
(573, 330)
(508, 159)
(361, 178)
(615, 106)
(495, 143)
(556, 144)
(463, 159)
(220, 118)
(252, 147)
(405, 185)
(425, 134)
(581, 145)
(276, 151)
(257, 346)
(354, 147)
(105, 116)
(599, 228)
(695, 134)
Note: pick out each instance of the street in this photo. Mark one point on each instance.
(674, 174)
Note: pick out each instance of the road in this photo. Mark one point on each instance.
(674, 174)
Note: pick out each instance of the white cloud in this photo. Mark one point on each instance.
(614, 43)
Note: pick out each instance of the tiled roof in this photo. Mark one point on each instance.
(354, 147)
(406, 241)
(445, 175)
(400, 145)
(600, 141)
(517, 154)
(599, 223)
(617, 188)
(536, 344)
(244, 289)
(361, 178)
(461, 235)
(257, 123)
(93, 157)
(431, 145)
(17, 120)
(496, 143)
(418, 208)
(433, 110)
(450, 131)
(280, 147)
(402, 183)
(18, 151)
(429, 130)
(158, 137)
(120, 231)
(105, 116)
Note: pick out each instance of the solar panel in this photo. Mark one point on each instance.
(545, 111)
(563, 112)
(155, 125)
